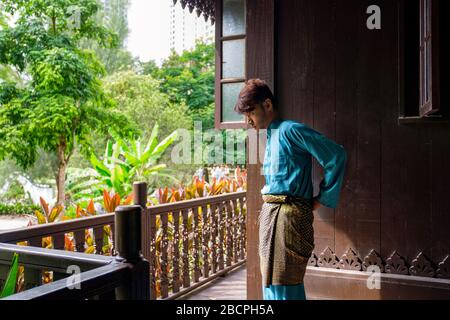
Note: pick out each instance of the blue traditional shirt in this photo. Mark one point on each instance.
(288, 162)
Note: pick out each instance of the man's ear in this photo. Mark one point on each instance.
(268, 105)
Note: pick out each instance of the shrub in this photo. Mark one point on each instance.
(17, 209)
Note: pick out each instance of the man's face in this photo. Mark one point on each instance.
(258, 118)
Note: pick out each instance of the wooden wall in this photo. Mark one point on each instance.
(346, 81)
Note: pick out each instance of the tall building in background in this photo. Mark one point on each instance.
(186, 28)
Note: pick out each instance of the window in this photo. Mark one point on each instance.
(230, 69)
(429, 57)
(420, 54)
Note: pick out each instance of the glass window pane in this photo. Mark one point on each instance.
(233, 17)
(230, 93)
(233, 59)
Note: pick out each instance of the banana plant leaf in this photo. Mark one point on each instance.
(10, 284)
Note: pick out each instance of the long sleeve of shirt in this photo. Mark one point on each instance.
(288, 162)
(330, 155)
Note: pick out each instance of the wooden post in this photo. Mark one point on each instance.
(140, 198)
(127, 238)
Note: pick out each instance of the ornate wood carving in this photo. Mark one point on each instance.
(205, 240)
(422, 267)
(229, 229)
(79, 240)
(214, 225)
(186, 227)
(395, 264)
(350, 261)
(443, 270)
(163, 263)
(242, 227)
(152, 261)
(373, 259)
(235, 228)
(327, 259)
(176, 252)
(221, 242)
(98, 236)
(312, 262)
(205, 7)
(58, 242)
(196, 250)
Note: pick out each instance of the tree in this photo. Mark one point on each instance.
(139, 98)
(6, 72)
(114, 17)
(63, 101)
(188, 78)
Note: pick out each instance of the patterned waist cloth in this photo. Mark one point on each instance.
(286, 239)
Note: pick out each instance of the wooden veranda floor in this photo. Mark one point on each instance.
(232, 286)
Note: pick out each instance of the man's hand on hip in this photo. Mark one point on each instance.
(316, 204)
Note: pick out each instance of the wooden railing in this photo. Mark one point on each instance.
(125, 276)
(192, 242)
(186, 243)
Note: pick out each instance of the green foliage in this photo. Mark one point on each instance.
(187, 78)
(140, 99)
(14, 193)
(63, 103)
(58, 16)
(123, 163)
(143, 160)
(42, 171)
(17, 209)
(114, 18)
(10, 284)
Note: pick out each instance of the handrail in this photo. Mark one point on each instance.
(43, 230)
(198, 202)
(56, 260)
(93, 282)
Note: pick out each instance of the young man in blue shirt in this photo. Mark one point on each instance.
(286, 235)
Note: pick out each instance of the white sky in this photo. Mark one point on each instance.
(148, 21)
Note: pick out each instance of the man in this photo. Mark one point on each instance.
(286, 235)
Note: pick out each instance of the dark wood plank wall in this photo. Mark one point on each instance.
(335, 75)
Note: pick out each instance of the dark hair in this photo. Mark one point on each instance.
(255, 91)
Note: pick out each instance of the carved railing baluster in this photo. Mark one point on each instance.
(35, 242)
(235, 227)
(242, 237)
(186, 276)
(176, 252)
(221, 224)
(164, 262)
(214, 226)
(152, 261)
(111, 227)
(32, 278)
(79, 240)
(98, 237)
(230, 239)
(196, 233)
(58, 241)
(205, 240)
